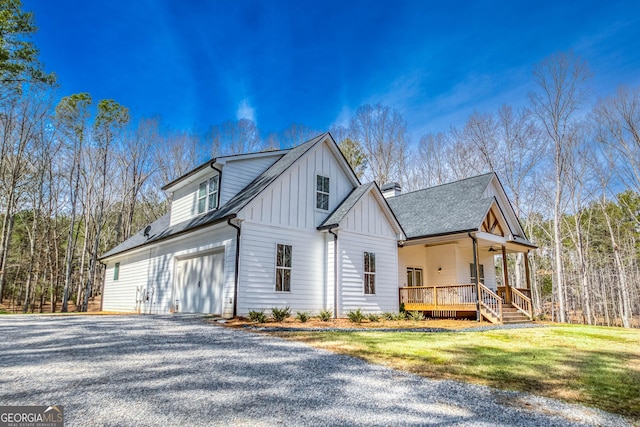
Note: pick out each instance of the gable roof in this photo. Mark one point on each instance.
(160, 229)
(445, 209)
(336, 217)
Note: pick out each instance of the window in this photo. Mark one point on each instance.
(202, 197)
(213, 192)
(116, 271)
(472, 273)
(322, 192)
(208, 195)
(283, 268)
(414, 276)
(369, 273)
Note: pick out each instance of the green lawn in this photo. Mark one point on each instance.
(596, 366)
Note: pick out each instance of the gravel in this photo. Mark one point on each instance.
(178, 370)
(258, 328)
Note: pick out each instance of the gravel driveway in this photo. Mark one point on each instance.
(177, 370)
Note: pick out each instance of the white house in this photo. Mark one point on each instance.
(296, 228)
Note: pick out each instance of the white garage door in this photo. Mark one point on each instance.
(198, 287)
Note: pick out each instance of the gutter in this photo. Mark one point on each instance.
(237, 273)
(170, 236)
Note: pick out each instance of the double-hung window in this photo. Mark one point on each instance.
(283, 268)
(414, 276)
(322, 192)
(369, 273)
(208, 195)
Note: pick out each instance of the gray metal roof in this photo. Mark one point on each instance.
(343, 209)
(444, 209)
(161, 230)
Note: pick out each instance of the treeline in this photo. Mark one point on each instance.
(78, 176)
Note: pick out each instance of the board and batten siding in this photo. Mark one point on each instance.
(366, 228)
(237, 174)
(257, 282)
(152, 269)
(290, 201)
(351, 258)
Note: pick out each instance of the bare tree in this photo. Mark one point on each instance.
(108, 126)
(234, 137)
(560, 81)
(72, 114)
(618, 120)
(382, 131)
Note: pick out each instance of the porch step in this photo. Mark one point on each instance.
(511, 315)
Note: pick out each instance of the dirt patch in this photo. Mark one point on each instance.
(315, 323)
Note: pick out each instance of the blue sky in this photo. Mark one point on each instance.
(199, 63)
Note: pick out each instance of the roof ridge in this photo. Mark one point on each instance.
(444, 184)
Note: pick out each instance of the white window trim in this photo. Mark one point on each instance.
(365, 273)
(277, 267)
(116, 272)
(207, 193)
(316, 191)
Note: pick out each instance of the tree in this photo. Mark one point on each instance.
(355, 156)
(382, 131)
(109, 123)
(618, 129)
(72, 114)
(18, 55)
(234, 137)
(560, 81)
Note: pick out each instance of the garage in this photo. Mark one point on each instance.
(198, 284)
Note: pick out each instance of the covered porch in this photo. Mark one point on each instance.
(468, 275)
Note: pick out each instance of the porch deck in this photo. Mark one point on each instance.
(464, 298)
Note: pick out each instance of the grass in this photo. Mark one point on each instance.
(595, 366)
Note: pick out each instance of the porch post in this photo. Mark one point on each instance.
(505, 274)
(477, 268)
(526, 270)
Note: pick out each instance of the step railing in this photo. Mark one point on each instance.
(522, 303)
(491, 302)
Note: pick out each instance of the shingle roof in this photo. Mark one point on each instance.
(343, 209)
(445, 209)
(160, 229)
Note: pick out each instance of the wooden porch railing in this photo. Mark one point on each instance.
(491, 302)
(461, 297)
(523, 303)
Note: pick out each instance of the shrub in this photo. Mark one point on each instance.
(387, 315)
(400, 316)
(355, 316)
(415, 315)
(279, 314)
(325, 315)
(302, 316)
(257, 316)
(373, 317)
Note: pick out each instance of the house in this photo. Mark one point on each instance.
(296, 228)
